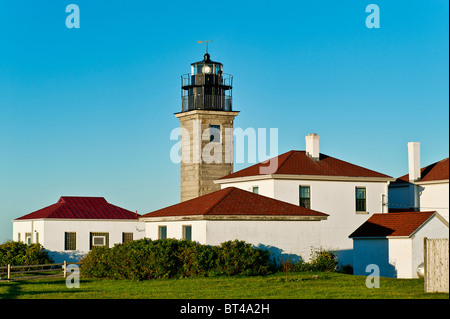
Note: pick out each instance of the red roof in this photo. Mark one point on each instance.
(298, 163)
(69, 207)
(392, 224)
(234, 201)
(434, 172)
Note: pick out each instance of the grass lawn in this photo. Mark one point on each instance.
(298, 286)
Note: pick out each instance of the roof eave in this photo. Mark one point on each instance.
(304, 177)
(234, 218)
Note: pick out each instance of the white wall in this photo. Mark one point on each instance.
(175, 229)
(336, 198)
(400, 256)
(28, 226)
(435, 197)
(51, 233)
(283, 238)
(266, 186)
(432, 197)
(433, 229)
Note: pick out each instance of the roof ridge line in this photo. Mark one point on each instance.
(220, 199)
(424, 222)
(284, 162)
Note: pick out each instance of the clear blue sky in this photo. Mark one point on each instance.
(89, 111)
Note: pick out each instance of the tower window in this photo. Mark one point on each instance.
(255, 189)
(305, 197)
(214, 133)
(360, 199)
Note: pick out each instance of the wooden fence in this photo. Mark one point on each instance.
(436, 264)
(28, 272)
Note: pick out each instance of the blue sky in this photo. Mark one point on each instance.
(89, 111)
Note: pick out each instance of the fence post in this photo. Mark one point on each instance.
(64, 267)
(9, 271)
(425, 263)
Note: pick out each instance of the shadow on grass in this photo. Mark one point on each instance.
(18, 289)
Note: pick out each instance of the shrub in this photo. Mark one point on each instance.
(168, 258)
(20, 254)
(321, 260)
(97, 263)
(238, 257)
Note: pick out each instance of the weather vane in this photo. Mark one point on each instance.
(206, 44)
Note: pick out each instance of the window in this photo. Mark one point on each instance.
(127, 237)
(162, 232)
(187, 232)
(28, 238)
(214, 133)
(305, 197)
(70, 241)
(255, 189)
(98, 239)
(360, 199)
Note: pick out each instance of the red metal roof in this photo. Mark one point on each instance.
(69, 207)
(392, 224)
(298, 163)
(234, 201)
(433, 172)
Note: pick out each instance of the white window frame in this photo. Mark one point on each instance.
(95, 237)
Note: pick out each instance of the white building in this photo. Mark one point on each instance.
(287, 231)
(394, 242)
(350, 194)
(69, 228)
(424, 188)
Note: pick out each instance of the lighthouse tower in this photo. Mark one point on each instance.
(206, 121)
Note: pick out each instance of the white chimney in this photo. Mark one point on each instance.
(414, 161)
(312, 146)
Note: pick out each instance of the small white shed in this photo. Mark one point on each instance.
(394, 242)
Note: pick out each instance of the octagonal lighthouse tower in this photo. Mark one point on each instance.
(206, 121)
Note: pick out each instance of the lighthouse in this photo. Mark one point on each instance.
(206, 118)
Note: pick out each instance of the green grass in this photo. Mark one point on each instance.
(298, 286)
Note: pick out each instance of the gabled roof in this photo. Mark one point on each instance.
(433, 172)
(392, 224)
(69, 207)
(234, 201)
(299, 163)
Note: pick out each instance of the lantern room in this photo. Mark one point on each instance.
(206, 87)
